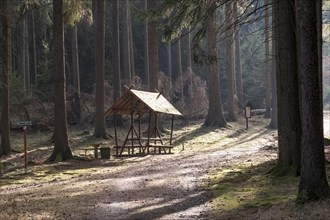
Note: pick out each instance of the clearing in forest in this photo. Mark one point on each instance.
(213, 174)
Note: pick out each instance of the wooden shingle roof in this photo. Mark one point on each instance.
(137, 101)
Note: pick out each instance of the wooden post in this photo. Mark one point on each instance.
(149, 128)
(172, 125)
(25, 149)
(155, 128)
(247, 115)
(115, 127)
(132, 130)
(139, 126)
(247, 123)
(96, 148)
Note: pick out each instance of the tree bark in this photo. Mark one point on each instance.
(100, 129)
(153, 49)
(273, 122)
(215, 113)
(76, 75)
(169, 67)
(189, 69)
(21, 53)
(116, 57)
(116, 46)
(34, 74)
(289, 126)
(238, 66)
(61, 147)
(179, 67)
(189, 62)
(230, 64)
(27, 57)
(127, 47)
(267, 60)
(319, 44)
(146, 47)
(313, 180)
(131, 41)
(6, 47)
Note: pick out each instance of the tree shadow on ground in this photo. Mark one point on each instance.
(189, 135)
(248, 193)
(238, 194)
(102, 193)
(103, 201)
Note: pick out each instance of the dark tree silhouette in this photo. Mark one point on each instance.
(6, 54)
(289, 128)
(99, 129)
(61, 147)
(313, 180)
(215, 113)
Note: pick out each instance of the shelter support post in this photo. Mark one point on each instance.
(172, 125)
(115, 128)
(132, 135)
(139, 127)
(149, 129)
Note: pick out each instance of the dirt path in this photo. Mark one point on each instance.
(151, 187)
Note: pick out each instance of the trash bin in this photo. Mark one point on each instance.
(105, 152)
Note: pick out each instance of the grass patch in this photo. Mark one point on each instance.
(244, 190)
(55, 172)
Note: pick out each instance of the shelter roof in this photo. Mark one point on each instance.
(137, 101)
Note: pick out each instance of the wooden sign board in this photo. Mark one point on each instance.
(23, 123)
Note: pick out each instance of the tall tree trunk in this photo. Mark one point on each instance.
(100, 129)
(153, 49)
(188, 46)
(153, 58)
(61, 147)
(179, 67)
(215, 113)
(22, 53)
(127, 47)
(230, 64)
(76, 105)
(273, 122)
(238, 66)
(116, 56)
(131, 41)
(289, 126)
(313, 180)
(116, 46)
(320, 43)
(27, 57)
(169, 68)
(189, 63)
(34, 73)
(267, 60)
(6, 47)
(146, 47)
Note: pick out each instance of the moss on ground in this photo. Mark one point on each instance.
(248, 189)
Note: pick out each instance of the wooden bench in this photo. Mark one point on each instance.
(130, 149)
(160, 149)
(95, 148)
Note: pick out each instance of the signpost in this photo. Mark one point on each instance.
(247, 114)
(23, 125)
(25, 149)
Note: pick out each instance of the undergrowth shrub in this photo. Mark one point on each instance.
(194, 103)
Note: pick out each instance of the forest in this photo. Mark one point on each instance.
(222, 106)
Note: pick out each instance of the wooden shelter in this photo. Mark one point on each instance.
(136, 103)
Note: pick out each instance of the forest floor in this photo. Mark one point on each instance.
(212, 174)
